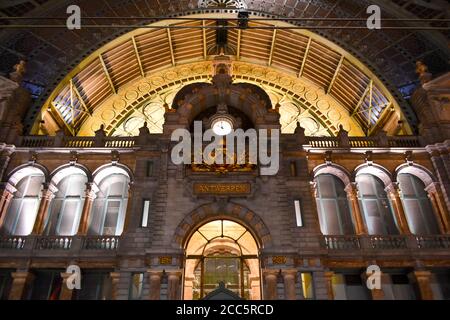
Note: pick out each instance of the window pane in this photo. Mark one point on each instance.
(69, 218)
(77, 185)
(418, 209)
(111, 217)
(34, 186)
(326, 186)
(334, 211)
(27, 217)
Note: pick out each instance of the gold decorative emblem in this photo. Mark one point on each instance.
(165, 260)
(279, 260)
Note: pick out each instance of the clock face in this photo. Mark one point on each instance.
(222, 126)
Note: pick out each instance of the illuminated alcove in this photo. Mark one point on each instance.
(222, 251)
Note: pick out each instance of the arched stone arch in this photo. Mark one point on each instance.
(63, 171)
(21, 171)
(335, 170)
(376, 170)
(108, 169)
(246, 98)
(231, 211)
(417, 170)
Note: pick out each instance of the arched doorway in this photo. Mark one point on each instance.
(222, 251)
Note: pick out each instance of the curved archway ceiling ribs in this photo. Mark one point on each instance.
(51, 53)
(126, 71)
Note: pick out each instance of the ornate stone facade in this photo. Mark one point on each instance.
(146, 254)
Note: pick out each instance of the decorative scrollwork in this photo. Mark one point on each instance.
(238, 4)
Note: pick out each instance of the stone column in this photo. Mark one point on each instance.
(270, 288)
(352, 196)
(115, 278)
(5, 200)
(5, 157)
(439, 157)
(155, 284)
(423, 282)
(48, 193)
(394, 195)
(21, 280)
(173, 288)
(329, 280)
(89, 197)
(439, 206)
(129, 211)
(66, 293)
(289, 277)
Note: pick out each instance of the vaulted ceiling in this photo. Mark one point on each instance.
(391, 54)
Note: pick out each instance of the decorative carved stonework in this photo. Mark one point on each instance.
(279, 260)
(165, 260)
(236, 4)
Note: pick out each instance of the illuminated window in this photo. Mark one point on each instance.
(375, 205)
(332, 206)
(145, 213)
(65, 209)
(298, 213)
(418, 209)
(108, 212)
(24, 206)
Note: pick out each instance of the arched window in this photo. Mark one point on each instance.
(332, 205)
(108, 212)
(375, 205)
(65, 209)
(418, 209)
(24, 206)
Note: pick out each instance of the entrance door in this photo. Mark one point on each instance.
(222, 251)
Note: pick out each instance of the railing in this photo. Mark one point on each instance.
(101, 243)
(78, 142)
(61, 141)
(53, 243)
(433, 242)
(37, 142)
(323, 142)
(364, 142)
(13, 242)
(404, 142)
(125, 142)
(387, 242)
(342, 242)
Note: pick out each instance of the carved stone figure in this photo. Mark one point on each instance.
(422, 71)
(19, 72)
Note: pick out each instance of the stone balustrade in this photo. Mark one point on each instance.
(386, 242)
(75, 244)
(131, 142)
